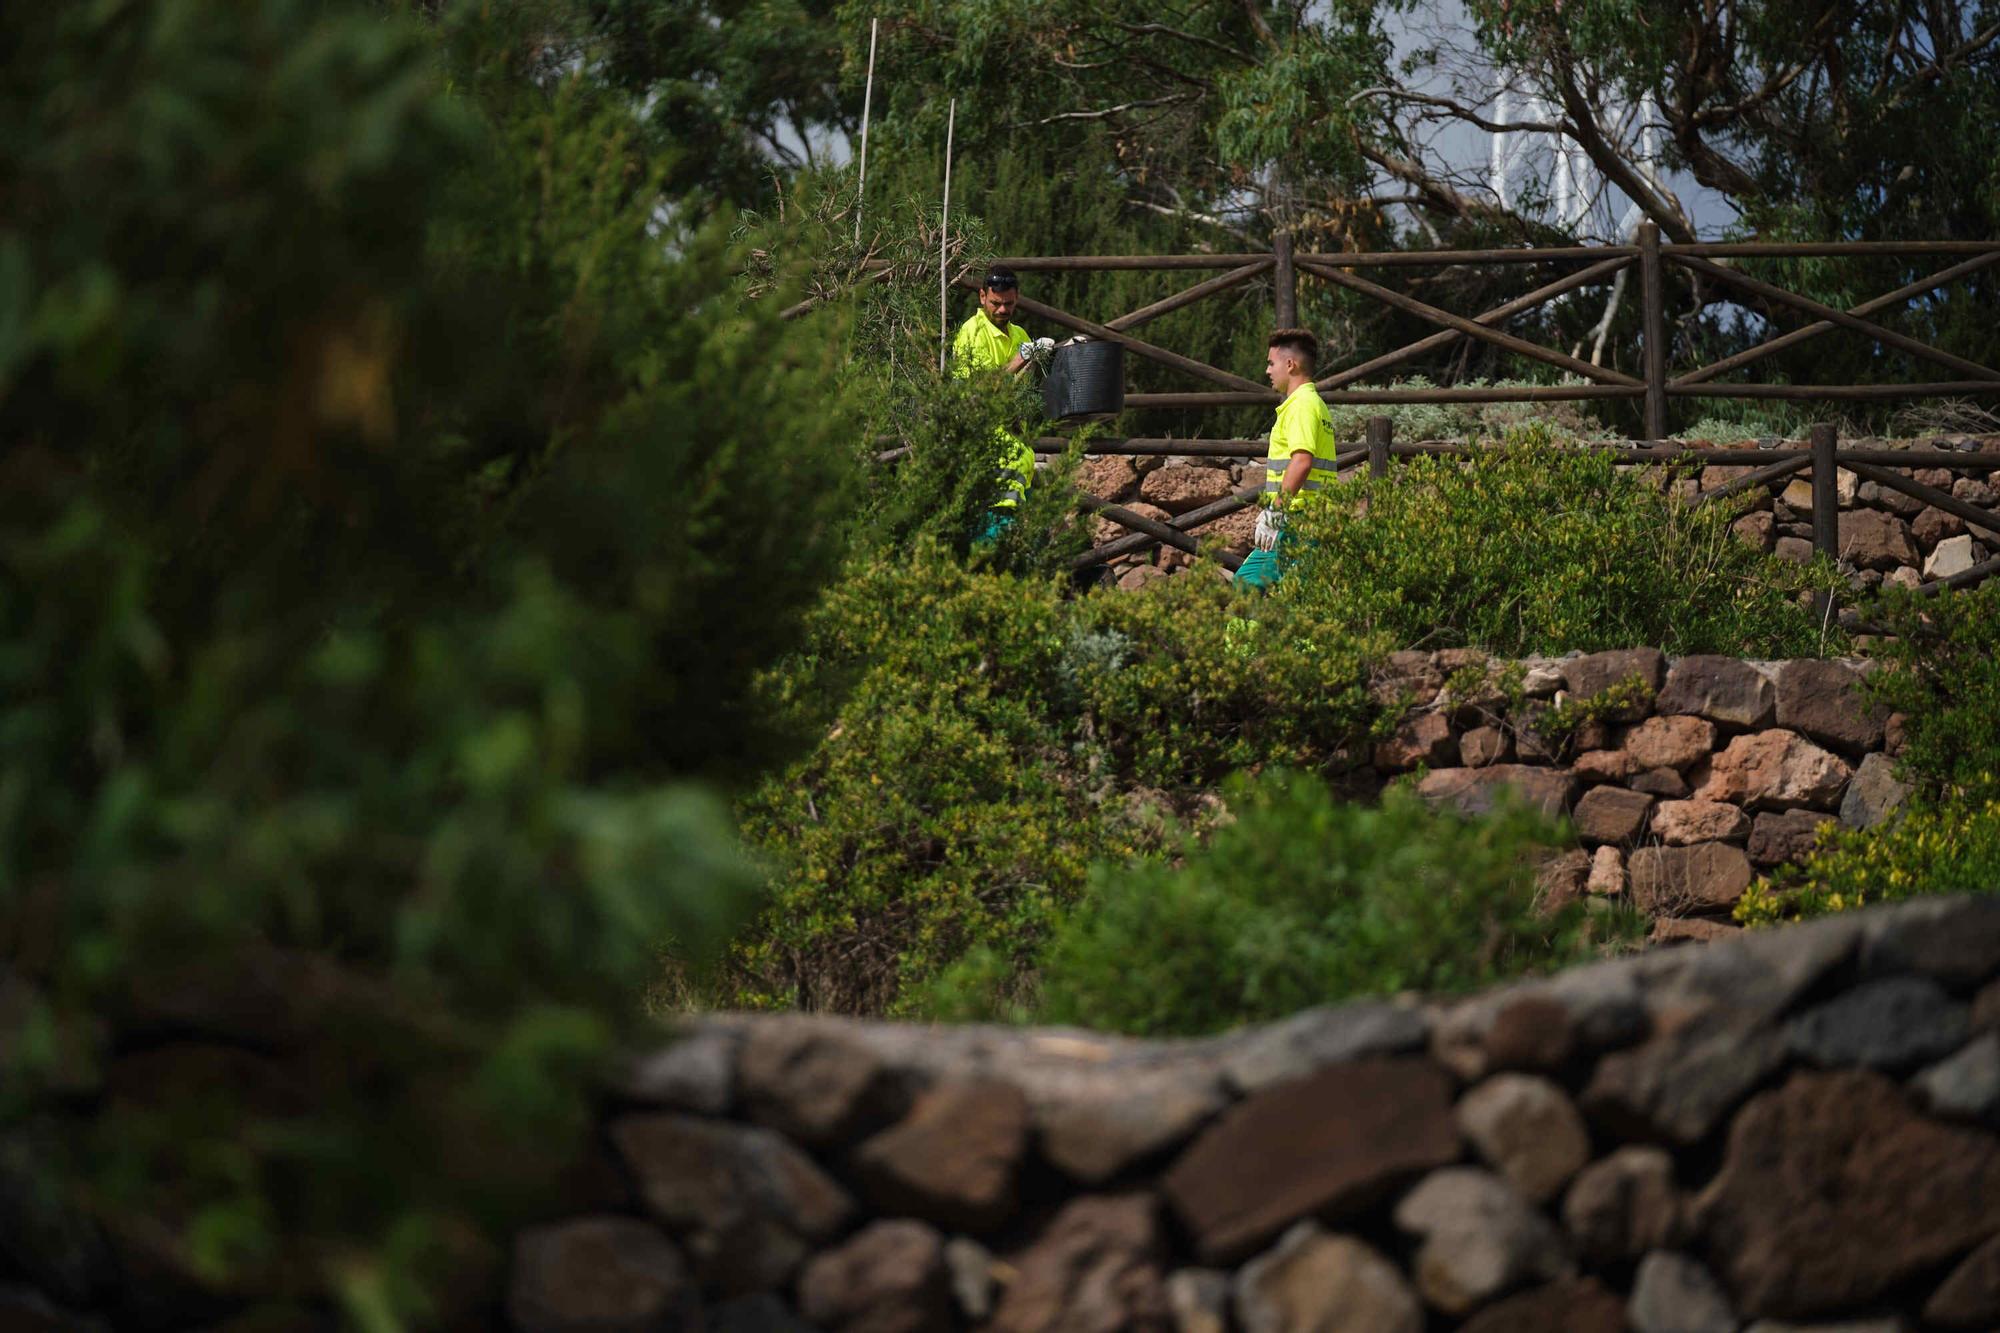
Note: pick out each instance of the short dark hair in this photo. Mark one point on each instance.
(1000, 278)
(1300, 343)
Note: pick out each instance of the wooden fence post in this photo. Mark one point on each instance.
(1286, 281)
(1825, 503)
(1380, 430)
(1653, 304)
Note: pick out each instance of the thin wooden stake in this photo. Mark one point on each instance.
(1652, 292)
(867, 103)
(1825, 504)
(1381, 430)
(944, 235)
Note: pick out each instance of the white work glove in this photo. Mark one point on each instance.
(1270, 522)
(1026, 351)
(1043, 346)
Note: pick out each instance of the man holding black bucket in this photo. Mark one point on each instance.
(1300, 458)
(990, 342)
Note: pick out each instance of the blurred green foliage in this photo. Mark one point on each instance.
(1296, 898)
(397, 510)
(1537, 548)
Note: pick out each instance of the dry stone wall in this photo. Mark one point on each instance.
(1884, 535)
(1794, 1130)
(1684, 778)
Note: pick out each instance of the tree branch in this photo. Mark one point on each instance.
(1144, 29)
(1937, 69)
(1104, 113)
(1656, 204)
(1257, 22)
(1458, 111)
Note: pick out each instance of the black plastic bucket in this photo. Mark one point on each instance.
(1085, 379)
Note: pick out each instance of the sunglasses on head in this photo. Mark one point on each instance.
(996, 283)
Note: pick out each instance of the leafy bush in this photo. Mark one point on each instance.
(1567, 422)
(1932, 847)
(1943, 674)
(1298, 899)
(996, 738)
(1942, 671)
(1533, 549)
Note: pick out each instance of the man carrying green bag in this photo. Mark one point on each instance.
(1300, 458)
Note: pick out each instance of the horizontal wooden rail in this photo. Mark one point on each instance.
(1497, 315)
(1822, 311)
(1143, 447)
(1930, 495)
(1110, 263)
(1199, 292)
(1796, 336)
(1510, 393)
(1812, 393)
(1451, 258)
(1823, 249)
(1423, 310)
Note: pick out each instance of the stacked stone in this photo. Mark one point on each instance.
(1717, 770)
(1884, 535)
(1793, 1126)
(1163, 488)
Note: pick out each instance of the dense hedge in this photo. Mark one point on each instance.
(1534, 548)
(996, 736)
(1296, 898)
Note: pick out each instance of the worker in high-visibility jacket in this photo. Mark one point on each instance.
(990, 342)
(1300, 459)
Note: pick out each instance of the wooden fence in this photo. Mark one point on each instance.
(1659, 383)
(1597, 265)
(1600, 264)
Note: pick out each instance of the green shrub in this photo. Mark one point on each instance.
(1943, 674)
(995, 739)
(1942, 671)
(1533, 549)
(1194, 691)
(1931, 847)
(1566, 421)
(1297, 899)
(933, 814)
